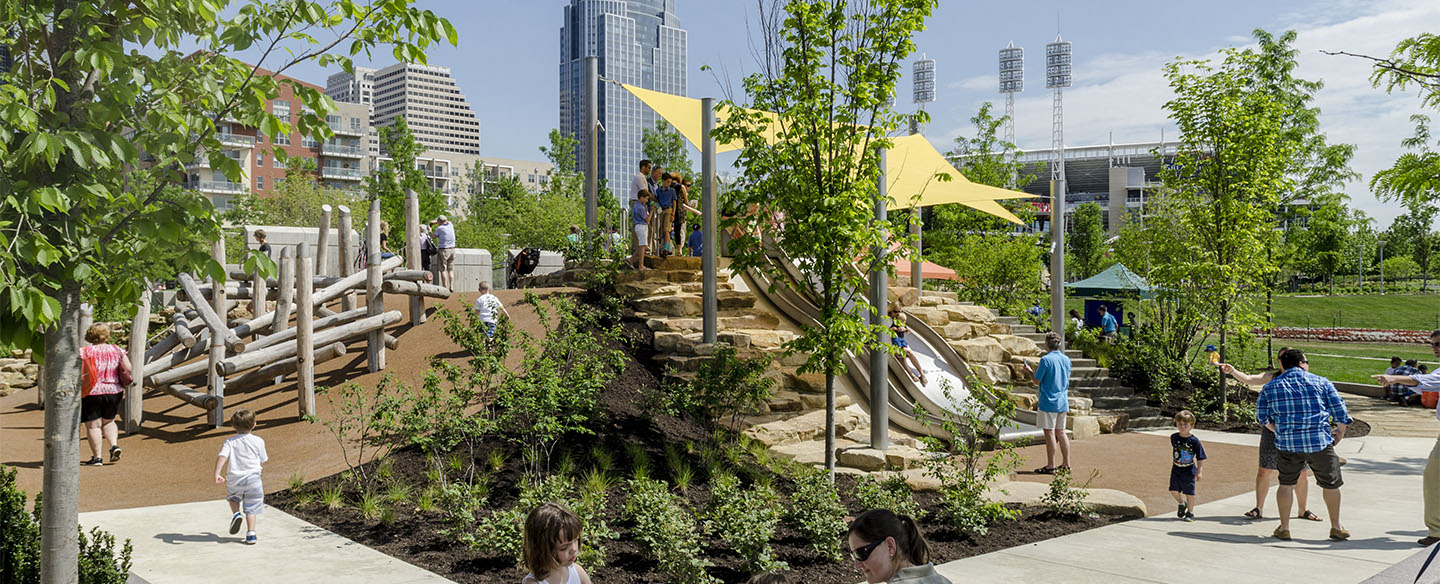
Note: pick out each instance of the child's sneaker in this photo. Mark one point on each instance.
(251, 539)
(235, 523)
(1179, 511)
(1189, 517)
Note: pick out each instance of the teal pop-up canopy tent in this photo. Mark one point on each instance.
(1117, 280)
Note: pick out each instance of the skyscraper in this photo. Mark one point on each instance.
(638, 42)
(434, 108)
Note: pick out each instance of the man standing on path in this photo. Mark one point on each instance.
(1426, 382)
(1298, 406)
(1053, 374)
(445, 241)
(1109, 328)
(641, 180)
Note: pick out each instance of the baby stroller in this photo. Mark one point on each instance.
(522, 264)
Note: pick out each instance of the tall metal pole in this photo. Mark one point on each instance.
(917, 277)
(1057, 255)
(709, 288)
(592, 146)
(879, 358)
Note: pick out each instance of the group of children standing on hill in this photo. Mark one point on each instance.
(658, 213)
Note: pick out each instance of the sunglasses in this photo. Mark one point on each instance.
(863, 553)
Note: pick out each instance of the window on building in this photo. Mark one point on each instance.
(260, 158)
(355, 124)
(259, 183)
(282, 140)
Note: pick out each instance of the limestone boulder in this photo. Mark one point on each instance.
(786, 401)
(928, 300)
(901, 457)
(968, 313)
(957, 331)
(1103, 501)
(980, 350)
(734, 299)
(942, 294)
(672, 305)
(638, 288)
(867, 459)
(919, 481)
(933, 316)
(771, 338)
(1026, 401)
(817, 401)
(903, 295)
(1082, 427)
(991, 373)
(1018, 346)
(754, 320)
(1112, 423)
(1113, 502)
(666, 342)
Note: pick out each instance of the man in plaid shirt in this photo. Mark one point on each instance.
(1426, 382)
(1298, 406)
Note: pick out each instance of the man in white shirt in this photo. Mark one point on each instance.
(486, 307)
(1426, 382)
(640, 182)
(445, 242)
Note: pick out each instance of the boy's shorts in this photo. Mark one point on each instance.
(248, 491)
(1182, 479)
(642, 235)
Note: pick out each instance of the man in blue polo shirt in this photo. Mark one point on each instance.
(1109, 328)
(1053, 374)
(1426, 382)
(1298, 406)
(665, 198)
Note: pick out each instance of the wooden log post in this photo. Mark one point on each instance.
(257, 295)
(412, 251)
(267, 374)
(198, 399)
(374, 298)
(322, 244)
(139, 333)
(285, 296)
(347, 254)
(304, 331)
(252, 359)
(214, 318)
(182, 331)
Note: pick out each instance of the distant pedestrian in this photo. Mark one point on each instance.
(1187, 456)
(445, 243)
(104, 374)
(1397, 392)
(696, 242)
(1299, 406)
(551, 544)
(264, 242)
(1109, 328)
(1035, 309)
(617, 242)
(640, 219)
(1076, 321)
(641, 180)
(1426, 383)
(665, 197)
(886, 547)
(487, 308)
(1053, 375)
(427, 249)
(385, 252)
(246, 453)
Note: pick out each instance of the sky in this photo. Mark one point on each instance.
(507, 64)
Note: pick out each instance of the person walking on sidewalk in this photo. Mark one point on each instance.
(1426, 382)
(1269, 457)
(1053, 374)
(1299, 406)
(244, 490)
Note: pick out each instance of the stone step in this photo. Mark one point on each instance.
(1010, 320)
(734, 299)
(699, 287)
(1086, 372)
(1149, 422)
(1074, 354)
(1105, 391)
(1039, 338)
(1117, 402)
(1024, 329)
(1090, 382)
(1084, 362)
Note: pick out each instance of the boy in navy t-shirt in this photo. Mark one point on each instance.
(1185, 461)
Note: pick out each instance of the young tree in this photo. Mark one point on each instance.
(1087, 241)
(1227, 178)
(664, 146)
(987, 159)
(94, 84)
(399, 174)
(828, 70)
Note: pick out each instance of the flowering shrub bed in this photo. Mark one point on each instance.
(1351, 335)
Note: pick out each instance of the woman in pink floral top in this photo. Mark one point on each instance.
(101, 395)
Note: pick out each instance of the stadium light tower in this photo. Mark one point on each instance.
(923, 86)
(1012, 81)
(1057, 77)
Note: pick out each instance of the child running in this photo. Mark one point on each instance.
(897, 338)
(552, 543)
(1185, 465)
(245, 452)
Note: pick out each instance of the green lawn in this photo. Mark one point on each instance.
(1352, 362)
(1390, 311)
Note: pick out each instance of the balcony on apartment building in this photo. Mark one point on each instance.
(338, 173)
(235, 140)
(202, 160)
(346, 130)
(216, 187)
(342, 151)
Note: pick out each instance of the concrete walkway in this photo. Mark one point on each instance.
(190, 542)
(1382, 510)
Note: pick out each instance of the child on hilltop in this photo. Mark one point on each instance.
(246, 452)
(898, 329)
(1186, 456)
(551, 546)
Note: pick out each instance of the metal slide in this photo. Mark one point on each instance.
(942, 365)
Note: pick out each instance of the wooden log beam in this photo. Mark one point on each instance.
(343, 286)
(287, 335)
(322, 244)
(408, 275)
(198, 399)
(208, 314)
(391, 342)
(305, 331)
(139, 332)
(267, 374)
(182, 330)
(162, 348)
(374, 298)
(192, 315)
(284, 298)
(416, 289)
(252, 359)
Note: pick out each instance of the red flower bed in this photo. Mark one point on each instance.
(1352, 335)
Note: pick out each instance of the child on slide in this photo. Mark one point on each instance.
(897, 338)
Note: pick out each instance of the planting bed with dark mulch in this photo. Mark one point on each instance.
(1179, 398)
(415, 536)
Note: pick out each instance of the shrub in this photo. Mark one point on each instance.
(500, 533)
(726, 388)
(358, 421)
(1064, 498)
(745, 521)
(816, 512)
(667, 531)
(99, 563)
(967, 470)
(893, 494)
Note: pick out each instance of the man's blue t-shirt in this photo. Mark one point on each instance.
(665, 197)
(1108, 324)
(1054, 377)
(696, 243)
(639, 214)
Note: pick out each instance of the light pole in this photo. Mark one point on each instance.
(1382, 267)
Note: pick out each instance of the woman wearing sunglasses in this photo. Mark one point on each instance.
(890, 548)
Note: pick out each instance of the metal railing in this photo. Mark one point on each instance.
(230, 139)
(341, 173)
(342, 150)
(217, 186)
(346, 130)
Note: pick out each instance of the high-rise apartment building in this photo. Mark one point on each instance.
(638, 42)
(434, 108)
(357, 87)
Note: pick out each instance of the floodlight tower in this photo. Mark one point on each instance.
(1057, 77)
(923, 73)
(1012, 81)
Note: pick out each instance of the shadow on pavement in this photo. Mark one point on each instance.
(207, 537)
(1410, 465)
(1311, 544)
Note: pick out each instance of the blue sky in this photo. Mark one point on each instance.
(507, 64)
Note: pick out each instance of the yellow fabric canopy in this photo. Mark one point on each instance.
(913, 165)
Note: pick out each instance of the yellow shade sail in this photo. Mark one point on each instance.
(913, 165)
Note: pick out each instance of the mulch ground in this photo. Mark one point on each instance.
(1179, 399)
(172, 458)
(416, 536)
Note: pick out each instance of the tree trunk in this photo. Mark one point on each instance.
(1269, 326)
(60, 521)
(1224, 324)
(830, 423)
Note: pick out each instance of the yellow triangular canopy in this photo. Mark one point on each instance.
(913, 165)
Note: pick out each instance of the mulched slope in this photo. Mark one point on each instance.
(414, 536)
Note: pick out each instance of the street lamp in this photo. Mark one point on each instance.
(1382, 267)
